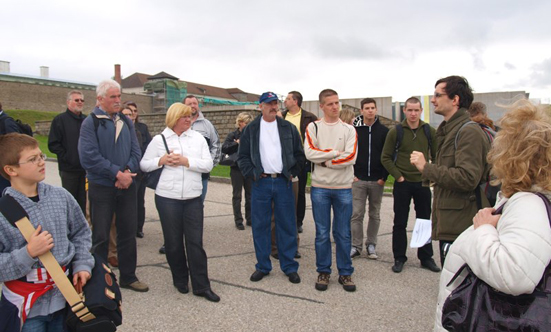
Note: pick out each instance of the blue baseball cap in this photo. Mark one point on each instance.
(267, 97)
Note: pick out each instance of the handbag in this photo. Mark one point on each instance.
(476, 306)
(153, 177)
(98, 308)
(229, 159)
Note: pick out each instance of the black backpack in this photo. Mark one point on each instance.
(23, 127)
(400, 138)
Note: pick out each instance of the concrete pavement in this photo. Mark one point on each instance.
(384, 301)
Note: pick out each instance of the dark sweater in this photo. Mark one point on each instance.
(63, 140)
(371, 140)
(412, 141)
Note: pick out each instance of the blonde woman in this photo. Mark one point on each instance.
(238, 181)
(511, 250)
(347, 116)
(178, 198)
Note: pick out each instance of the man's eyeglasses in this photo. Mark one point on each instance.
(79, 100)
(438, 95)
(34, 159)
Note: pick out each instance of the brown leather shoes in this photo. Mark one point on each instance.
(113, 261)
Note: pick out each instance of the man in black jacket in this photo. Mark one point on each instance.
(369, 178)
(7, 125)
(63, 141)
(301, 119)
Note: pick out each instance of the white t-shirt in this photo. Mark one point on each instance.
(270, 147)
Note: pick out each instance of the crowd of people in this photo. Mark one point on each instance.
(106, 160)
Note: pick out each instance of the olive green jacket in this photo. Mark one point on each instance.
(456, 175)
(412, 141)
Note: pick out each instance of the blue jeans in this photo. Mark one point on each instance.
(280, 192)
(182, 223)
(341, 201)
(104, 202)
(51, 323)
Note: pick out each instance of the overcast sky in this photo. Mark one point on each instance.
(359, 48)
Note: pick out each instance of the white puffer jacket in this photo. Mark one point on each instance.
(511, 258)
(179, 182)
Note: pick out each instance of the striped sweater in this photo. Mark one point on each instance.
(335, 146)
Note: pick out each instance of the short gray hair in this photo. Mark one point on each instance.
(105, 85)
(73, 92)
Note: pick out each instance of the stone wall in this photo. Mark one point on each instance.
(223, 121)
(27, 96)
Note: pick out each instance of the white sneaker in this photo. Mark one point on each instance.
(354, 252)
(371, 253)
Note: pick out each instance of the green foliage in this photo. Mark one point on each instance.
(43, 145)
(30, 116)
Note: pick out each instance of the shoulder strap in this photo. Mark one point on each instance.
(426, 128)
(95, 120)
(547, 205)
(17, 216)
(166, 145)
(399, 138)
(460, 128)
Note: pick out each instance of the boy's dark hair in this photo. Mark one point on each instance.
(367, 101)
(297, 96)
(327, 93)
(458, 86)
(11, 146)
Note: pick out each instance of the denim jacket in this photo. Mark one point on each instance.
(292, 152)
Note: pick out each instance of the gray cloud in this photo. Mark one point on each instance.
(509, 66)
(541, 74)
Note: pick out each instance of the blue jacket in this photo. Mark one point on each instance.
(291, 149)
(100, 155)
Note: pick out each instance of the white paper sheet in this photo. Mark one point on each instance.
(421, 233)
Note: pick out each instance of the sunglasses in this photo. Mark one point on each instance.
(79, 100)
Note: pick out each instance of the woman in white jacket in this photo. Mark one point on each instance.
(178, 198)
(509, 251)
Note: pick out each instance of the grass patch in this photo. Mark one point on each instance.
(224, 171)
(43, 145)
(30, 116)
(221, 171)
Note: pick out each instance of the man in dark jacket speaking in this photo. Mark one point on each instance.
(271, 153)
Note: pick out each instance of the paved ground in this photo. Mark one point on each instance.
(384, 301)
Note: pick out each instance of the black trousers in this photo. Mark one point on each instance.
(75, 183)
(140, 185)
(403, 192)
(238, 183)
(104, 202)
(182, 223)
(301, 197)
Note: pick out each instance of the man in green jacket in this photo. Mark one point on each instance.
(411, 135)
(460, 163)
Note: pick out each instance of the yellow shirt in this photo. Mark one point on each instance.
(295, 119)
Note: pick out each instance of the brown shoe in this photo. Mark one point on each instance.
(347, 283)
(323, 281)
(137, 286)
(113, 261)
